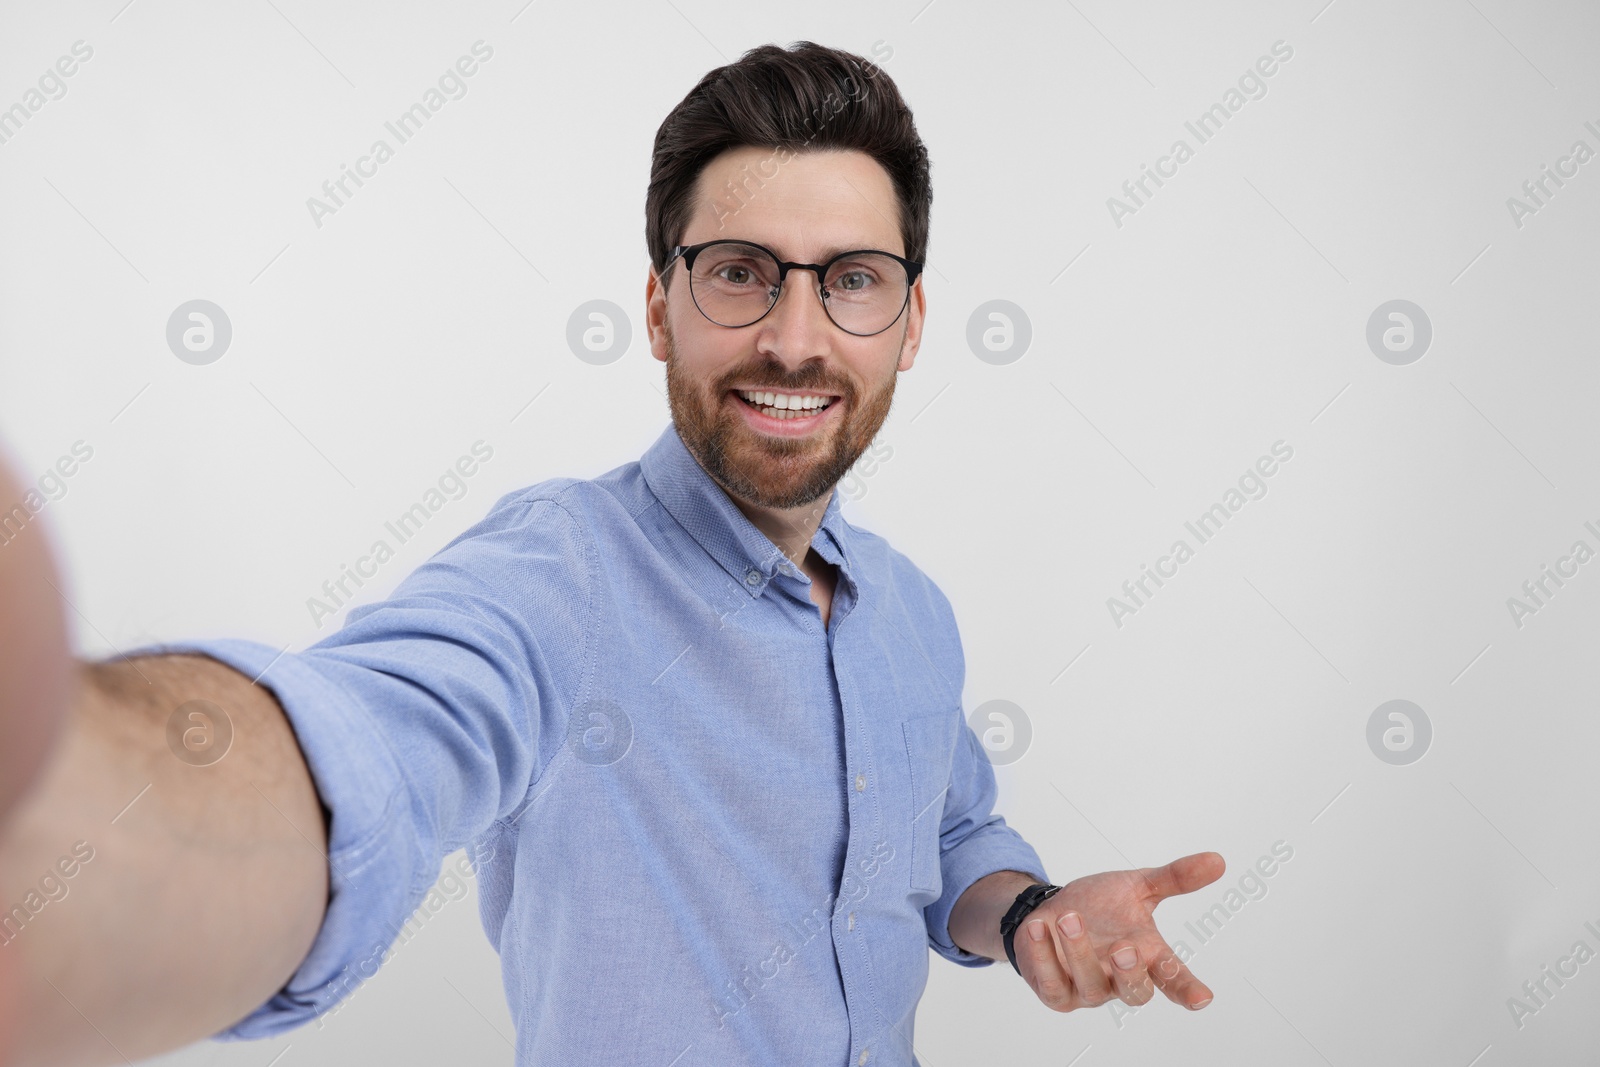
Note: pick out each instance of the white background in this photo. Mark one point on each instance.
(1168, 353)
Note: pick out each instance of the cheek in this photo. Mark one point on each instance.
(703, 352)
(696, 365)
(872, 369)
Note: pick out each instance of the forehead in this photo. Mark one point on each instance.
(804, 205)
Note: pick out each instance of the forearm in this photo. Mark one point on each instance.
(207, 883)
(975, 920)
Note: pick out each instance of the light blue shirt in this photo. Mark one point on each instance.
(710, 831)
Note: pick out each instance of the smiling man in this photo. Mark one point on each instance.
(776, 398)
(702, 735)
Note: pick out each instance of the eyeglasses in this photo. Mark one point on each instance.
(736, 283)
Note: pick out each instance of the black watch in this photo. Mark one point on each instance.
(1026, 901)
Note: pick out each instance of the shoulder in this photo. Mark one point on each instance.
(556, 530)
(591, 503)
(535, 512)
(919, 616)
(897, 577)
(534, 542)
(559, 508)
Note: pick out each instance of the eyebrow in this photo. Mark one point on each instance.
(822, 257)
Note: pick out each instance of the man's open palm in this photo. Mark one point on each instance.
(1099, 939)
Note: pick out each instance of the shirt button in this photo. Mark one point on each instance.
(861, 782)
(863, 1058)
(852, 925)
(752, 577)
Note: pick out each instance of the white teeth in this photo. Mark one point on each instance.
(786, 405)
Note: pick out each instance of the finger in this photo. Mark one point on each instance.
(1040, 964)
(1185, 874)
(1088, 976)
(1129, 977)
(1177, 981)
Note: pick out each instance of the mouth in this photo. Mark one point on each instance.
(785, 405)
(786, 413)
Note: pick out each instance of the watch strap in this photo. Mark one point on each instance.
(1026, 901)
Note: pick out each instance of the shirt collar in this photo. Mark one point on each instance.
(704, 509)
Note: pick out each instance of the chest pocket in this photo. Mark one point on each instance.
(930, 741)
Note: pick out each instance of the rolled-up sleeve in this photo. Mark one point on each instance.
(423, 720)
(973, 843)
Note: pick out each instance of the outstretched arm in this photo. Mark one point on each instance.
(195, 890)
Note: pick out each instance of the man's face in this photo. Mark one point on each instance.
(817, 204)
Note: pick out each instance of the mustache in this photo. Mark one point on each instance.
(794, 383)
(766, 373)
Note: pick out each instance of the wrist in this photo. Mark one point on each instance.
(1021, 908)
(974, 923)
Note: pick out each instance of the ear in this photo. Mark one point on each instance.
(655, 314)
(916, 308)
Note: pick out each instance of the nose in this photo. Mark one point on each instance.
(797, 328)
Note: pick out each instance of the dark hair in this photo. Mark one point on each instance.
(805, 97)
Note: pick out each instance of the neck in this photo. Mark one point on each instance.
(791, 529)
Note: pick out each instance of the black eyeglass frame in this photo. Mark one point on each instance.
(913, 270)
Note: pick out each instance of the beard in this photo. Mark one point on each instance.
(772, 472)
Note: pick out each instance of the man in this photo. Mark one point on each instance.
(703, 736)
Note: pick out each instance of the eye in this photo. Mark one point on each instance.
(852, 280)
(737, 273)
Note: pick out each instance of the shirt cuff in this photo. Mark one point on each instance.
(995, 847)
(373, 856)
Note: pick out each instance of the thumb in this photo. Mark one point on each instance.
(1185, 874)
(36, 678)
(36, 674)
(7, 1007)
